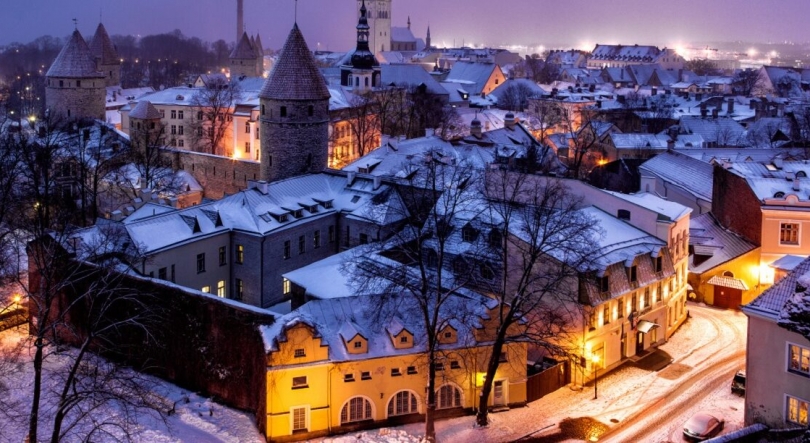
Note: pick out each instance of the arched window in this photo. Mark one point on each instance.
(404, 402)
(448, 396)
(366, 80)
(356, 409)
(728, 274)
(357, 81)
(779, 195)
(801, 174)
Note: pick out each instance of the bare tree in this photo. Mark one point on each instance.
(211, 108)
(700, 66)
(541, 240)
(515, 97)
(747, 82)
(416, 262)
(102, 309)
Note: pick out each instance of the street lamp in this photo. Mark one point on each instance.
(595, 363)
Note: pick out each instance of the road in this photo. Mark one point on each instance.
(705, 376)
(638, 405)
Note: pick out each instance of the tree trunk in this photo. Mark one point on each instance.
(33, 419)
(430, 410)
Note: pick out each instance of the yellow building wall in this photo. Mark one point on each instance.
(327, 389)
(745, 267)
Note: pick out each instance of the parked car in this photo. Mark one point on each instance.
(702, 425)
(738, 383)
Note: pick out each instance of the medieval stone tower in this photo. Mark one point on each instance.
(106, 56)
(294, 114)
(363, 72)
(75, 88)
(379, 24)
(144, 127)
(247, 58)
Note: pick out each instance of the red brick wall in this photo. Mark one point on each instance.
(736, 206)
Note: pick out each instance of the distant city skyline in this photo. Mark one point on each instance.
(330, 25)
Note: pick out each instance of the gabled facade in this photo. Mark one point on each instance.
(321, 382)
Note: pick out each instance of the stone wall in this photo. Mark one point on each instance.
(217, 175)
(197, 341)
(76, 102)
(295, 143)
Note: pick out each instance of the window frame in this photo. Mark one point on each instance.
(803, 356)
(223, 256)
(799, 403)
(299, 382)
(240, 254)
(201, 263)
(789, 233)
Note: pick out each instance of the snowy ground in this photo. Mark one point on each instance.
(706, 351)
(197, 419)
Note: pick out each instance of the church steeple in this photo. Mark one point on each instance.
(427, 39)
(362, 57)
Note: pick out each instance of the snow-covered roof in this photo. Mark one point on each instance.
(402, 35)
(295, 75)
(102, 47)
(333, 320)
(75, 60)
(325, 278)
(252, 211)
(713, 244)
(771, 303)
(691, 175)
(667, 210)
(145, 110)
(473, 75)
(244, 50)
(409, 74)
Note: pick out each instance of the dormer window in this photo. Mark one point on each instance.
(632, 274)
(468, 233)
(298, 213)
(403, 339)
(659, 263)
(604, 284)
(358, 344)
(779, 195)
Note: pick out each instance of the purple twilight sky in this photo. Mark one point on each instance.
(329, 24)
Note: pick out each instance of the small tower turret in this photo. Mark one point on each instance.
(243, 59)
(106, 56)
(364, 71)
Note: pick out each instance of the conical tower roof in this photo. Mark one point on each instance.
(295, 75)
(74, 60)
(145, 110)
(258, 46)
(102, 47)
(244, 49)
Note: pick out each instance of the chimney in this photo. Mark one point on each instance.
(796, 186)
(699, 96)
(670, 144)
(475, 128)
(654, 91)
(350, 178)
(116, 215)
(704, 112)
(730, 106)
(377, 181)
(509, 121)
(715, 112)
(261, 185)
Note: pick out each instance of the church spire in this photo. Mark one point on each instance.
(362, 57)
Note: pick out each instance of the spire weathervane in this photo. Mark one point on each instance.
(75, 24)
(296, 12)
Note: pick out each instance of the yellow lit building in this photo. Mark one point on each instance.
(344, 364)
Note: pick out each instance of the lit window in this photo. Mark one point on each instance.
(206, 289)
(221, 288)
(789, 234)
(606, 314)
(797, 411)
(287, 287)
(798, 359)
(240, 254)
